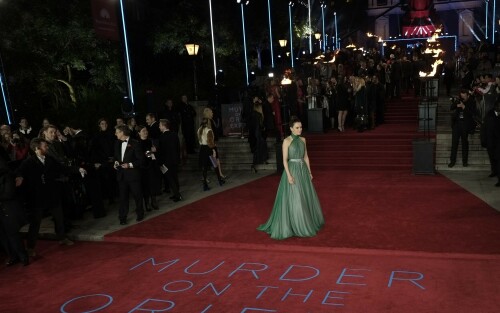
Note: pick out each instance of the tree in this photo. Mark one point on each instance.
(51, 47)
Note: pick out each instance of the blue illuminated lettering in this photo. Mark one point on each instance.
(339, 280)
(289, 293)
(108, 297)
(180, 282)
(155, 303)
(153, 262)
(186, 270)
(264, 290)
(412, 280)
(218, 293)
(299, 279)
(241, 268)
(327, 296)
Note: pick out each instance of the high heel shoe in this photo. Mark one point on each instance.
(253, 169)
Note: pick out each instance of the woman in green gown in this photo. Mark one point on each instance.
(296, 210)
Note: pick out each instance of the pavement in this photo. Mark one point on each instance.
(89, 229)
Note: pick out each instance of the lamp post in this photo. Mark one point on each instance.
(192, 50)
(317, 36)
(283, 43)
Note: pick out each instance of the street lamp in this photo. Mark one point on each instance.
(283, 45)
(192, 50)
(317, 36)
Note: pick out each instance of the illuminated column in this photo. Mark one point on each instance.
(310, 28)
(270, 32)
(213, 41)
(244, 38)
(323, 6)
(336, 33)
(127, 56)
(290, 5)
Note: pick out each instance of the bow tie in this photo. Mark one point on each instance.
(124, 141)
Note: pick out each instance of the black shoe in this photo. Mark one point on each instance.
(492, 175)
(139, 218)
(172, 197)
(465, 164)
(148, 209)
(451, 164)
(221, 182)
(177, 199)
(123, 221)
(205, 187)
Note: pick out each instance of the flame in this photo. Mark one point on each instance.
(351, 46)
(380, 39)
(436, 52)
(370, 35)
(434, 69)
(332, 60)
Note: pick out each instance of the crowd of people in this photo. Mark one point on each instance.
(65, 171)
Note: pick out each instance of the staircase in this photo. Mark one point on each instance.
(388, 147)
(235, 155)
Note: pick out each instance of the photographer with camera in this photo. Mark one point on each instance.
(462, 123)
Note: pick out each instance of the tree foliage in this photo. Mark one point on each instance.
(51, 46)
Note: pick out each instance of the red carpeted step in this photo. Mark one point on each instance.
(388, 147)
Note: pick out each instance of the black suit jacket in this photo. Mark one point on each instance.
(41, 182)
(154, 130)
(169, 149)
(133, 154)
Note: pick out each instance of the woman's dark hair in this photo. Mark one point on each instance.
(293, 120)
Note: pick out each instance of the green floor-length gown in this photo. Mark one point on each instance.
(296, 210)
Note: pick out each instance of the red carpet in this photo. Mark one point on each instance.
(371, 210)
(388, 147)
(392, 242)
(122, 278)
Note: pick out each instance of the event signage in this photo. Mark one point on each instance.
(257, 282)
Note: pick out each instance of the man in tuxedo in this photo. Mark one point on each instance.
(128, 160)
(169, 156)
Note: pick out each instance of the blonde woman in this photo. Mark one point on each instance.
(209, 114)
(207, 156)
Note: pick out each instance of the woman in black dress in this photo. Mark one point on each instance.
(150, 173)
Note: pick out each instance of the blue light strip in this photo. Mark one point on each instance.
(5, 100)
(213, 41)
(486, 18)
(270, 32)
(244, 41)
(493, 20)
(129, 73)
(291, 32)
(310, 28)
(323, 16)
(336, 34)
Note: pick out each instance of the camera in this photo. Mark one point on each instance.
(455, 100)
